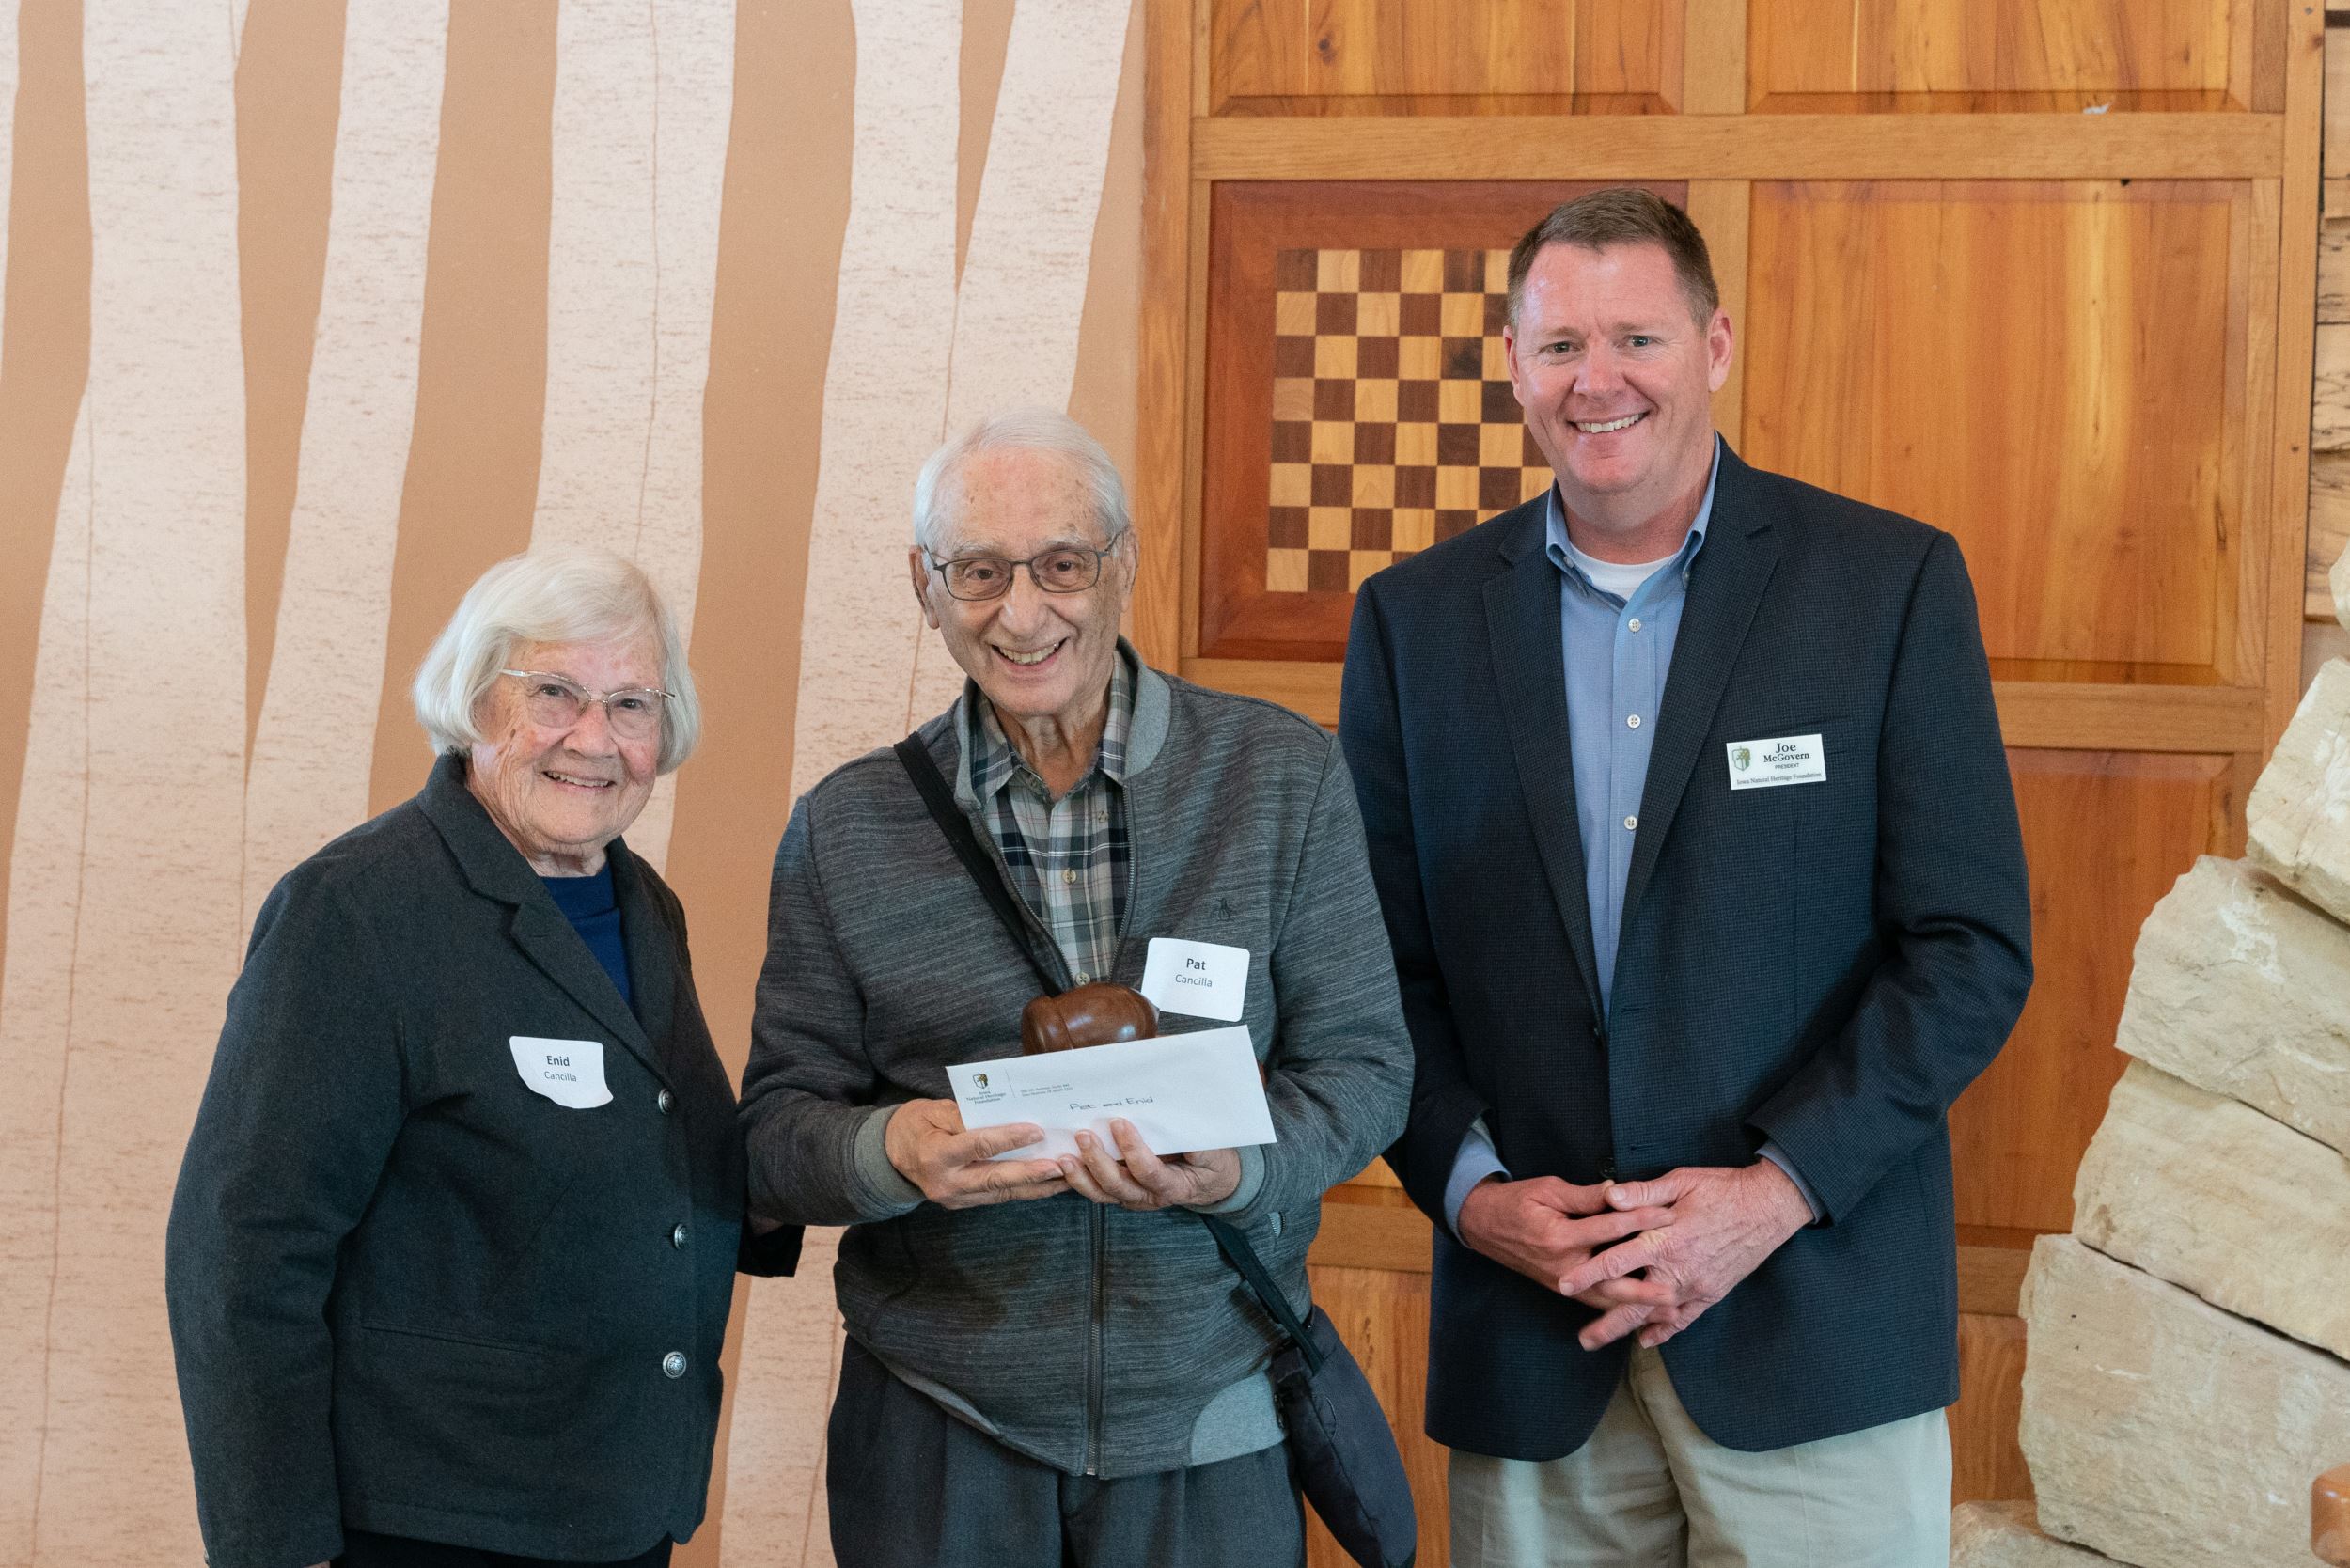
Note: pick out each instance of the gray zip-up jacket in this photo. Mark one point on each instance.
(1095, 1340)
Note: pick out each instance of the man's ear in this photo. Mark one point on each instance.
(921, 573)
(1720, 343)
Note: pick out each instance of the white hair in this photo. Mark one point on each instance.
(555, 594)
(1032, 429)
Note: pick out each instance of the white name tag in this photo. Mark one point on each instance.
(568, 1072)
(1766, 764)
(1199, 979)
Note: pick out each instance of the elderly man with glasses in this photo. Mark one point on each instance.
(1047, 1360)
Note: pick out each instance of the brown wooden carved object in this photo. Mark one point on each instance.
(2330, 1517)
(1102, 1013)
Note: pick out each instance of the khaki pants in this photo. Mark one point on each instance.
(1651, 1491)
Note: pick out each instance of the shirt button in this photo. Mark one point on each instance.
(1633, 722)
(1631, 824)
(676, 1236)
(673, 1364)
(1083, 977)
(1069, 876)
(1636, 622)
(663, 1100)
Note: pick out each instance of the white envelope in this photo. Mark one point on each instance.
(1182, 1092)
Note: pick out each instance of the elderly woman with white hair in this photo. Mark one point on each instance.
(455, 1237)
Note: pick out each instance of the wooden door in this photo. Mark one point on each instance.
(2039, 272)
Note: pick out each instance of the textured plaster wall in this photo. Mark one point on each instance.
(312, 312)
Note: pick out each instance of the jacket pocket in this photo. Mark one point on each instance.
(459, 1421)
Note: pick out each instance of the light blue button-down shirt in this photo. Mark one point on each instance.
(1618, 651)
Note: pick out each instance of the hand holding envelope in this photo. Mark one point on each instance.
(1113, 1115)
(960, 1168)
(1135, 1178)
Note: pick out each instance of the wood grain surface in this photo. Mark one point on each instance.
(2089, 478)
(1466, 56)
(2077, 53)
(2105, 835)
(2040, 272)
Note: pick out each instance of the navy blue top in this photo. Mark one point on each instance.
(587, 903)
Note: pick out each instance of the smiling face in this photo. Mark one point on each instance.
(1616, 375)
(1042, 659)
(561, 794)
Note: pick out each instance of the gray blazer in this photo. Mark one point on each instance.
(411, 1295)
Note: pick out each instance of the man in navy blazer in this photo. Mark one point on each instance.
(1687, 807)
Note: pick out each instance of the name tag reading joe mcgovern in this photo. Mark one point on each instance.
(1767, 765)
(1182, 1092)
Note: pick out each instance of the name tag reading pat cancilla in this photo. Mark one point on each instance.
(1767, 765)
(1199, 979)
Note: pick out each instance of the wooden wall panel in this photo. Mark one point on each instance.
(2066, 321)
(1979, 354)
(1259, 597)
(2062, 56)
(1459, 57)
(2107, 834)
(1382, 1317)
(1987, 1460)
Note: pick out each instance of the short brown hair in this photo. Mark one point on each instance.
(1622, 215)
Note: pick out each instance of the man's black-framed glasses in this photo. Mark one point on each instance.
(1064, 569)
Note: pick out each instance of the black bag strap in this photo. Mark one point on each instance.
(915, 759)
(1242, 1255)
(932, 785)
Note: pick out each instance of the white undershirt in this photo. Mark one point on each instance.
(1617, 578)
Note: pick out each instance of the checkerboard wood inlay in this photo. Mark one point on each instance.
(1393, 424)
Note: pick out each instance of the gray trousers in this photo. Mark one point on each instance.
(910, 1486)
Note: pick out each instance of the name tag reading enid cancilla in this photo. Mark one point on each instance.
(1767, 765)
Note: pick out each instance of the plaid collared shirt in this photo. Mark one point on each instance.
(1068, 857)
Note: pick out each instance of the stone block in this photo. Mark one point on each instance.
(2164, 1432)
(2212, 1195)
(2298, 818)
(2243, 990)
(2003, 1535)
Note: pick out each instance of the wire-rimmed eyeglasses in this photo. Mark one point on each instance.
(558, 702)
(1064, 569)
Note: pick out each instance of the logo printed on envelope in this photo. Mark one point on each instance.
(568, 1072)
(1767, 765)
(1199, 979)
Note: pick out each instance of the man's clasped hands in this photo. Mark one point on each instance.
(1648, 1257)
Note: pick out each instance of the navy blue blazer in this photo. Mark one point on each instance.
(1823, 965)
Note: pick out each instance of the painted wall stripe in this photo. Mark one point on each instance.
(643, 98)
(1024, 281)
(7, 132)
(158, 941)
(884, 398)
(885, 386)
(314, 747)
(37, 997)
(776, 1513)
